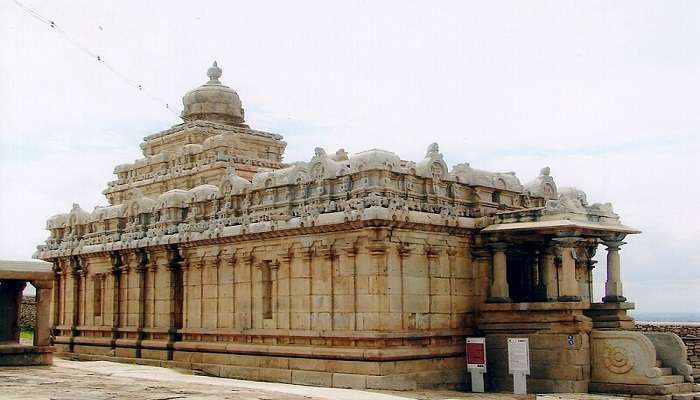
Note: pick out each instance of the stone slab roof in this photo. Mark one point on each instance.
(25, 270)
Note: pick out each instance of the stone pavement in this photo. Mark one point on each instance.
(97, 380)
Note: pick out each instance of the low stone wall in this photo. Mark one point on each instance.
(690, 334)
(27, 317)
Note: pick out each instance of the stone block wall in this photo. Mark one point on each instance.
(555, 365)
(690, 334)
(27, 315)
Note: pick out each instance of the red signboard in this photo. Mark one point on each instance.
(476, 353)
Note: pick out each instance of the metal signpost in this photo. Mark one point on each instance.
(476, 362)
(519, 363)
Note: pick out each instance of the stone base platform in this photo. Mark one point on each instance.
(559, 342)
(444, 372)
(676, 391)
(15, 354)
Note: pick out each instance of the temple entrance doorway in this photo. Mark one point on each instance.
(520, 277)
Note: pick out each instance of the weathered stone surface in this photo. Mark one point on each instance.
(350, 381)
(312, 378)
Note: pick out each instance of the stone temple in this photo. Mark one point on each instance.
(348, 270)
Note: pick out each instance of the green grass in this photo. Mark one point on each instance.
(26, 335)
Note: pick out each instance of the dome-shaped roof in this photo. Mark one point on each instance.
(202, 193)
(374, 159)
(213, 101)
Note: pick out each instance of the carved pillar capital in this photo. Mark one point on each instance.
(405, 250)
(377, 248)
(613, 245)
(286, 255)
(116, 260)
(75, 267)
(498, 246)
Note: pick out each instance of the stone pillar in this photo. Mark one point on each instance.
(452, 253)
(499, 291)
(175, 266)
(284, 289)
(377, 287)
(589, 264)
(322, 288)
(10, 304)
(348, 265)
(116, 272)
(548, 289)
(248, 261)
(613, 285)
(75, 290)
(57, 306)
(301, 288)
(82, 295)
(151, 311)
(568, 287)
(404, 252)
(274, 271)
(42, 326)
(141, 262)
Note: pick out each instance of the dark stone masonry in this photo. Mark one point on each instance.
(27, 317)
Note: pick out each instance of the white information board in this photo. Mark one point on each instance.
(518, 356)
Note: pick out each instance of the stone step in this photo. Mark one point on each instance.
(671, 379)
(666, 371)
(643, 390)
(686, 396)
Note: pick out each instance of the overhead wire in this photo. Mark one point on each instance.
(131, 82)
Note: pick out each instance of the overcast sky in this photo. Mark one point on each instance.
(605, 93)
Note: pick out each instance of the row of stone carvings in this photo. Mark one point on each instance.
(280, 195)
(221, 149)
(79, 228)
(164, 166)
(211, 127)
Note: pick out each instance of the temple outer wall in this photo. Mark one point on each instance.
(373, 308)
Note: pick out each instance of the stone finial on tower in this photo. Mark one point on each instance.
(213, 101)
(214, 73)
(433, 149)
